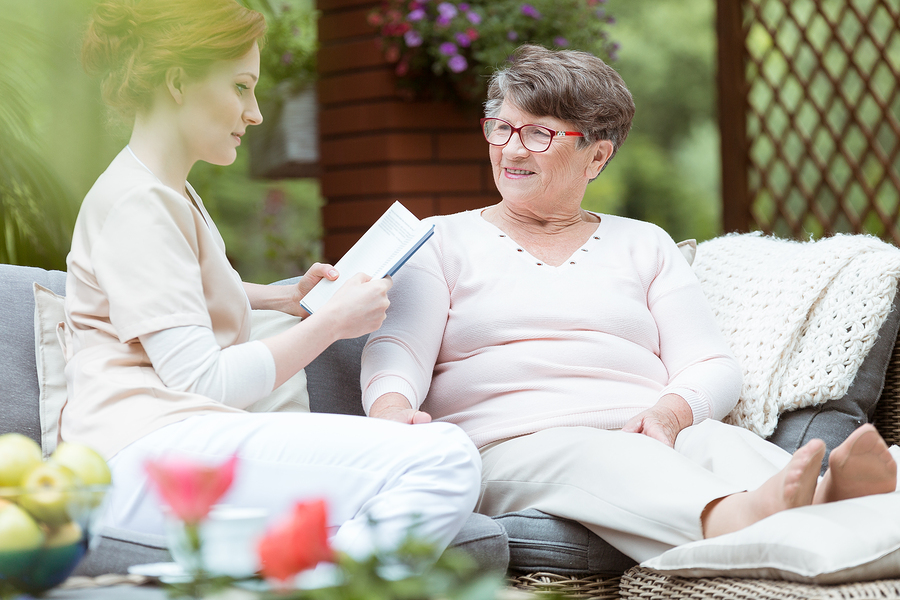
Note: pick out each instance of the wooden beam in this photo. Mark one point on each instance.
(732, 107)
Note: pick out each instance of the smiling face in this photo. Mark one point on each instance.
(543, 182)
(218, 108)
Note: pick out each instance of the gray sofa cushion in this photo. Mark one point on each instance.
(834, 420)
(18, 373)
(481, 537)
(541, 542)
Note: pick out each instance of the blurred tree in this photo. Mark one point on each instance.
(58, 138)
(35, 205)
(668, 170)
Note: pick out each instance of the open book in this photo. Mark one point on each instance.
(383, 249)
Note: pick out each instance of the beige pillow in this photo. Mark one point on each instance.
(838, 542)
(688, 250)
(49, 315)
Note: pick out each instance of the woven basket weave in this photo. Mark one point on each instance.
(643, 584)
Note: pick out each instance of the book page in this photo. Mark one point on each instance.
(375, 254)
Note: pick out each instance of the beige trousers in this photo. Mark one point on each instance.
(636, 493)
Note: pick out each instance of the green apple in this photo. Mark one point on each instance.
(49, 488)
(84, 461)
(66, 535)
(19, 454)
(18, 531)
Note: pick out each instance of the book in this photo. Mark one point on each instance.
(383, 249)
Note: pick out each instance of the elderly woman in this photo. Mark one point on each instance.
(577, 350)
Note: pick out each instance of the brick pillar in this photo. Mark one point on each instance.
(376, 147)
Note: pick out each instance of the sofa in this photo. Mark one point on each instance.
(537, 551)
(524, 542)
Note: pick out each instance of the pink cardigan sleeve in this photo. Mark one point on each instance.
(400, 356)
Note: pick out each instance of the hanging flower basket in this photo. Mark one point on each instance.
(447, 50)
(286, 144)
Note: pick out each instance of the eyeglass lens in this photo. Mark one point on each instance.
(534, 137)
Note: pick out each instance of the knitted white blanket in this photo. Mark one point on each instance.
(799, 316)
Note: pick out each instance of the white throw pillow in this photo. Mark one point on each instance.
(839, 542)
(49, 313)
(291, 396)
(688, 250)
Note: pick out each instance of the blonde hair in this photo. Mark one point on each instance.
(130, 44)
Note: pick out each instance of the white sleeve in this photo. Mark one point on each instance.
(189, 359)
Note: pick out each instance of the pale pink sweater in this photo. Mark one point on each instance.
(482, 334)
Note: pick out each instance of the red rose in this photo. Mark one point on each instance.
(296, 543)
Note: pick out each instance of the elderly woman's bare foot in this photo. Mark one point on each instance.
(793, 486)
(860, 466)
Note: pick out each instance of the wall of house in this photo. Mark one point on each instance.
(376, 147)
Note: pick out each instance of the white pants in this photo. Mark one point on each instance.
(368, 470)
(635, 492)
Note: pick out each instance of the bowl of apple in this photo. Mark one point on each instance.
(49, 510)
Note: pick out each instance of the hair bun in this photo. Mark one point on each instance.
(115, 18)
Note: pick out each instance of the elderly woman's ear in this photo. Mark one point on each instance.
(602, 155)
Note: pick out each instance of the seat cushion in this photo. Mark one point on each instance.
(539, 542)
(480, 537)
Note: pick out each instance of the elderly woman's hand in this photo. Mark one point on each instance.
(395, 407)
(663, 421)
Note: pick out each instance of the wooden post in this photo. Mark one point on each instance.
(375, 147)
(732, 105)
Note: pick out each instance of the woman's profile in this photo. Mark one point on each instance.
(158, 321)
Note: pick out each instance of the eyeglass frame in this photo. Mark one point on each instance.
(518, 130)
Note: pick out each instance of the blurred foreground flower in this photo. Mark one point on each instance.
(297, 543)
(190, 488)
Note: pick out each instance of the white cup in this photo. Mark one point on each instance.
(229, 535)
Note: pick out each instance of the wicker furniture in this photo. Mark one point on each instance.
(642, 584)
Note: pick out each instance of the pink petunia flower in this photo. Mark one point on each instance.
(530, 11)
(189, 488)
(416, 15)
(457, 63)
(412, 38)
(473, 17)
(447, 10)
(447, 49)
(463, 39)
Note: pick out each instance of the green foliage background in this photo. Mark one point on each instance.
(667, 172)
(57, 139)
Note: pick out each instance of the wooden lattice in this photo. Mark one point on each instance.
(811, 116)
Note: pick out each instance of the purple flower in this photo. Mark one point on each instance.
(512, 35)
(447, 10)
(416, 15)
(463, 6)
(530, 11)
(463, 40)
(457, 63)
(442, 21)
(412, 38)
(447, 48)
(560, 41)
(473, 17)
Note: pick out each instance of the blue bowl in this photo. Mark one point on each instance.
(68, 532)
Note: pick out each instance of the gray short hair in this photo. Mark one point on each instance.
(568, 85)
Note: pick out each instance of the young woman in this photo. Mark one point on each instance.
(158, 321)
